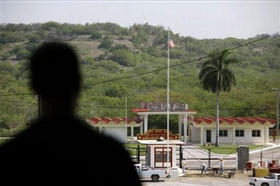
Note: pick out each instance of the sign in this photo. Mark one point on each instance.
(163, 106)
(156, 134)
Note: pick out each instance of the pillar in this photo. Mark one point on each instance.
(265, 135)
(201, 135)
(132, 133)
(233, 135)
(145, 123)
(180, 126)
(141, 126)
(242, 157)
(185, 128)
(99, 129)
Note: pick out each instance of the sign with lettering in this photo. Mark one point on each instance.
(156, 134)
(163, 106)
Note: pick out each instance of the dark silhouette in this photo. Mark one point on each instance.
(59, 148)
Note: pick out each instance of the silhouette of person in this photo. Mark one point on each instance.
(60, 148)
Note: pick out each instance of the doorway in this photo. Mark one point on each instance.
(208, 136)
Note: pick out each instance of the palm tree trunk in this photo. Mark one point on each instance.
(217, 117)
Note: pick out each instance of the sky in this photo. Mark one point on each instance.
(198, 19)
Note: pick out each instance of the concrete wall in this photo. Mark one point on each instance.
(117, 133)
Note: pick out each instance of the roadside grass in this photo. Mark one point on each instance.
(227, 149)
(3, 140)
(276, 137)
(132, 149)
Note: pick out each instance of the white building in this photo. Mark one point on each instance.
(115, 127)
(233, 130)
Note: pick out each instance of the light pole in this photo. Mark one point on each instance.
(277, 110)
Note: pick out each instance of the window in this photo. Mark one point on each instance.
(256, 133)
(223, 133)
(161, 157)
(239, 133)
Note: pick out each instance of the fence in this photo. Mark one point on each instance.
(138, 154)
(265, 156)
(195, 157)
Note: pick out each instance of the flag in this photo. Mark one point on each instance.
(171, 44)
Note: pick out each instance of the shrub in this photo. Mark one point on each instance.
(106, 43)
(96, 35)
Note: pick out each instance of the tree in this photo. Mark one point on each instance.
(216, 76)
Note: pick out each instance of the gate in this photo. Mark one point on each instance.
(195, 157)
(137, 154)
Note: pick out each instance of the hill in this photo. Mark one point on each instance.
(108, 51)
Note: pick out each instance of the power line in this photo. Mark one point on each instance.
(187, 62)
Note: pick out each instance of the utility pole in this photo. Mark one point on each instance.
(277, 110)
(126, 119)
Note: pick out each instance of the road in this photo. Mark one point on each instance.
(203, 180)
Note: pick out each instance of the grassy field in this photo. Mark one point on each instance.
(132, 149)
(227, 149)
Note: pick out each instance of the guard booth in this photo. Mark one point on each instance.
(157, 148)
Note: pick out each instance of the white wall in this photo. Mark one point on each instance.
(195, 134)
(118, 133)
(247, 139)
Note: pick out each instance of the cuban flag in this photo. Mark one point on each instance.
(171, 44)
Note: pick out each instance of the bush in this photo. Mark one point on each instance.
(176, 53)
(119, 47)
(33, 38)
(106, 43)
(116, 90)
(123, 57)
(22, 54)
(10, 37)
(96, 35)
(153, 51)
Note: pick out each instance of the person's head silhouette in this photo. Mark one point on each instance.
(55, 77)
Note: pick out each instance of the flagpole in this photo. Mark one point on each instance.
(168, 106)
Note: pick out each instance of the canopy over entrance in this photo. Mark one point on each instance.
(182, 110)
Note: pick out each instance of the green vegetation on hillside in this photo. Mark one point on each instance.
(108, 51)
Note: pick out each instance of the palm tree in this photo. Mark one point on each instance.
(216, 76)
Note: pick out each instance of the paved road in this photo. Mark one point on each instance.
(205, 180)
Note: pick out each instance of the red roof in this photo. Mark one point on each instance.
(115, 120)
(136, 110)
(230, 120)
